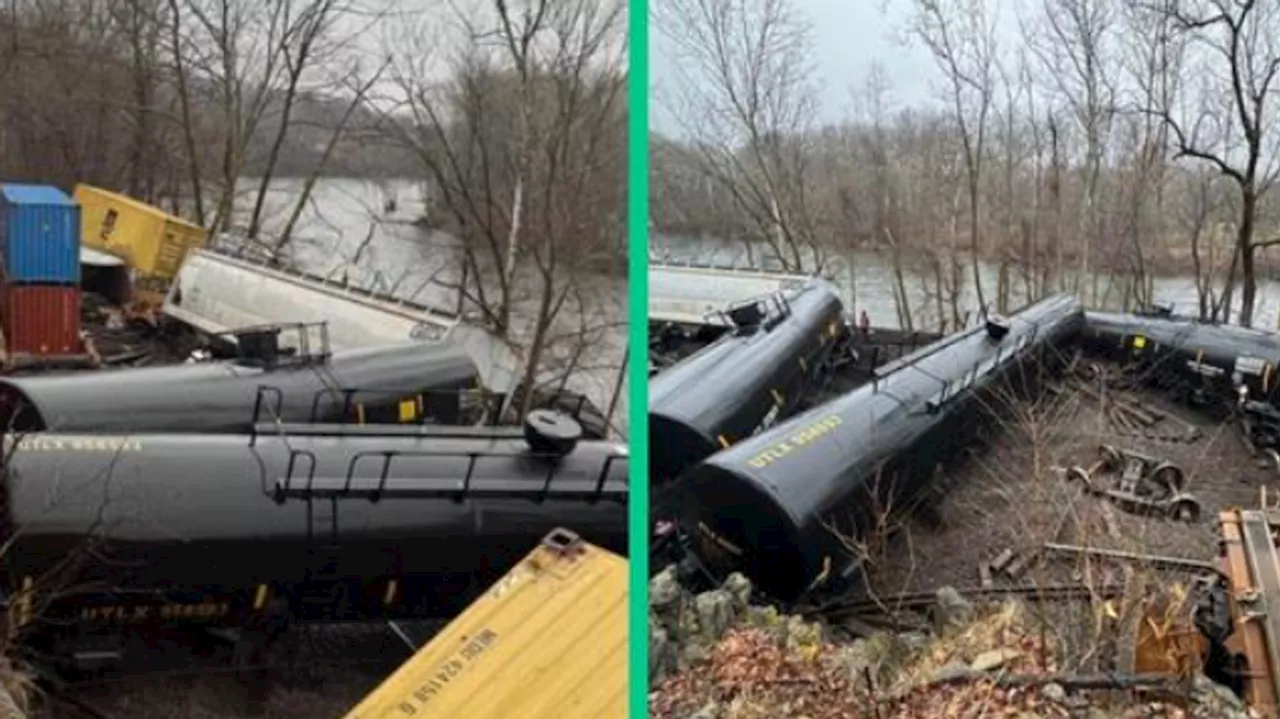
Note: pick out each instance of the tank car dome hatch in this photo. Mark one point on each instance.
(997, 327)
(551, 432)
(747, 315)
(259, 346)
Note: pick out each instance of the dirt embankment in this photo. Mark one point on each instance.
(1009, 494)
(715, 656)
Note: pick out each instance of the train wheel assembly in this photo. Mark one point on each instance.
(1169, 477)
(1184, 509)
(1110, 458)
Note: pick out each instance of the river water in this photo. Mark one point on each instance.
(866, 281)
(420, 264)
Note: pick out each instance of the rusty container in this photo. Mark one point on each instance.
(41, 319)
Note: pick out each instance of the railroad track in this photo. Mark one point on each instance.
(1048, 592)
(365, 648)
(923, 600)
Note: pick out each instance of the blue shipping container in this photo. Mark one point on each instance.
(39, 235)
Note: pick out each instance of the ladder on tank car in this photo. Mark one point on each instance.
(342, 408)
(261, 344)
(373, 476)
(301, 481)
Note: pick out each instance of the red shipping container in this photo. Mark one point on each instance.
(41, 319)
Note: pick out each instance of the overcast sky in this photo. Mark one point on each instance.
(849, 35)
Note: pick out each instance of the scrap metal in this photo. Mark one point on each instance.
(1138, 483)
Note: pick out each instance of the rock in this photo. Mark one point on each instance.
(1053, 693)
(738, 587)
(989, 660)
(761, 617)
(664, 590)
(950, 673)
(685, 627)
(803, 637)
(715, 614)
(663, 657)
(1213, 699)
(951, 611)
(668, 605)
(710, 710)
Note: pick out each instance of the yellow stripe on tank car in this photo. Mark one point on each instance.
(390, 594)
(408, 410)
(1139, 342)
(724, 441)
(359, 413)
(777, 397)
(22, 605)
(260, 598)
(1266, 376)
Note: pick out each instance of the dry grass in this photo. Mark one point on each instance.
(1007, 496)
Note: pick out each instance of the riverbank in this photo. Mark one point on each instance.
(1167, 262)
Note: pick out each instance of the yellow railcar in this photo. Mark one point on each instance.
(547, 640)
(152, 242)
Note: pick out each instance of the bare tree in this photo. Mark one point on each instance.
(234, 45)
(744, 94)
(961, 35)
(1154, 65)
(300, 41)
(1239, 42)
(1073, 45)
(359, 88)
(525, 143)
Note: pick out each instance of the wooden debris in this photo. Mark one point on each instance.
(1022, 563)
(1002, 560)
(1158, 561)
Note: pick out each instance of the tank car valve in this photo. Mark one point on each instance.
(550, 432)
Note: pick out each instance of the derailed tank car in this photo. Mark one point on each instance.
(771, 505)
(751, 376)
(1200, 361)
(221, 396)
(233, 529)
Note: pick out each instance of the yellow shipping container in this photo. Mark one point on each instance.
(152, 242)
(548, 640)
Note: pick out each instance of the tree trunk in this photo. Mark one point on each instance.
(1244, 243)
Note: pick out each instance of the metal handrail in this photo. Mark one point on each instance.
(258, 395)
(285, 487)
(449, 317)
